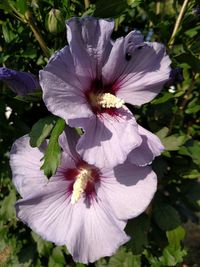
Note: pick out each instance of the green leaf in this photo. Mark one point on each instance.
(80, 265)
(162, 132)
(7, 210)
(58, 256)
(193, 191)
(192, 174)
(53, 152)
(192, 32)
(22, 6)
(160, 166)
(52, 263)
(110, 9)
(5, 5)
(153, 261)
(176, 236)
(172, 256)
(192, 149)
(41, 130)
(162, 99)
(137, 229)
(101, 263)
(31, 97)
(43, 247)
(166, 217)
(8, 34)
(57, 259)
(124, 259)
(27, 253)
(173, 253)
(193, 109)
(191, 60)
(29, 53)
(134, 3)
(172, 142)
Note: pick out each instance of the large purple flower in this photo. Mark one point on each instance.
(19, 82)
(88, 82)
(83, 207)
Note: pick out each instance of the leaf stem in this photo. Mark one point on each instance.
(37, 34)
(178, 23)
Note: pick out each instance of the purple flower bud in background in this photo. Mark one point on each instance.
(196, 11)
(176, 76)
(22, 83)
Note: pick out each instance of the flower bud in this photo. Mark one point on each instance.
(22, 83)
(176, 76)
(54, 22)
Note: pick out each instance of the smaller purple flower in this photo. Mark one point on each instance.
(83, 207)
(22, 83)
(176, 76)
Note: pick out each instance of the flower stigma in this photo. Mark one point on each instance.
(82, 179)
(105, 100)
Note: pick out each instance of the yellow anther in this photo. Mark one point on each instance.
(108, 100)
(80, 184)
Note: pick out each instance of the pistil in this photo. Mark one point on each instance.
(105, 100)
(80, 184)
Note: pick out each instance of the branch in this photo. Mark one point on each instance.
(178, 23)
(37, 34)
(87, 3)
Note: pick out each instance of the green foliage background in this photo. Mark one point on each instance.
(158, 233)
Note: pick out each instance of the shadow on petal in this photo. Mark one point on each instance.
(129, 174)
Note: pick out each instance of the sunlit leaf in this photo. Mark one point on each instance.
(41, 130)
(171, 256)
(57, 258)
(176, 236)
(171, 142)
(8, 34)
(124, 259)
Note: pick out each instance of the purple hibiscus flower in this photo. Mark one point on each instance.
(83, 207)
(22, 83)
(87, 83)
